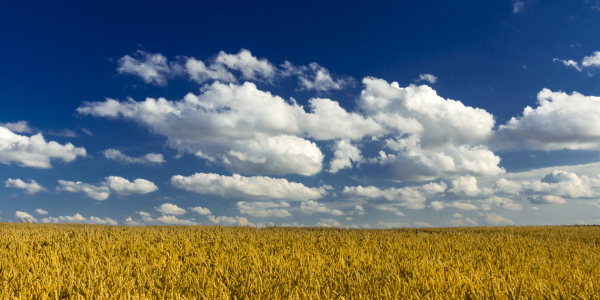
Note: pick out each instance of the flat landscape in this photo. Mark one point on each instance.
(69, 261)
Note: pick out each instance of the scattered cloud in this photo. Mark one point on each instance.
(150, 158)
(344, 154)
(34, 151)
(241, 221)
(495, 219)
(201, 210)
(311, 206)
(428, 77)
(328, 223)
(91, 191)
(150, 67)
(315, 77)
(170, 209)
(41, 211)
(592, 61)
(18, 127)
(25, 216)
(123, 186)
(30, 188)
(264, 209)
(241, 187)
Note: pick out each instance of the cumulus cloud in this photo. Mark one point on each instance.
(328, 223)
(78, 218)
(34, 151)
(495, 219)
(344, 154)
(316, 77)
(201, 72)
(250, 67)
(264, 209)
(170, 209)
(123, 186)
(428, 77)
(91, 191)
(408, 197)
(432, 136)
(25, 216)
(241, 187)
(201, 210)
(561, 121)
(30, 188)
(241, 221)
(41, 211)
(437, 205)
(150, 158)
(173, 220)
(105, 221)
(103, 190)
(151, 67)
(310, 207)
(18, 127)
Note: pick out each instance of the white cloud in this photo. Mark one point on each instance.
(18, 127)
(170, 209)
(518, 6)
(150, 158)
(437, 205)
(546, 199)
(344, 154)
(123, 186)
(409, 197)
(34, 151)
(310, 207)
(432, 136)
(250, 67)
(592, 60)
(105, 221)
(231, 221)
(200, 72)
(502, 202)
(41, 211)
(428, 77)
(25, 216)
(91, 191)
(173, 220)
(328, 223)
(30, 188)
(241, 187)
(201, 210)
(316, 77)
(150, 67)
(560, 121)
(495, 219)
(264, 209)
(569, 63)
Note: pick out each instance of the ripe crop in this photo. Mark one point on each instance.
(68, 261)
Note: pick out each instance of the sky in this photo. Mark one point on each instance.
(344, 114)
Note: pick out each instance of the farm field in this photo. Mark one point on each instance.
(68, 261)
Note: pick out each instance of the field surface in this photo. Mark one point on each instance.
(57, 261)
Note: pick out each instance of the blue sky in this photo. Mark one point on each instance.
(379, 114)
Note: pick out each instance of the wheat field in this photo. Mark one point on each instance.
(68, 261)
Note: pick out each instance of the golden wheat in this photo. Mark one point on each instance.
(53, 261)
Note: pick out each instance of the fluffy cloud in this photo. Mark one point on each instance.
(30, 188)
(105, 221)
(150, 158)
(41, 211)
(264, 209)
(250, 67)
(328, 223)
(561, 121)
(152, 68)
(25, 216)
(495, 219)
(431, 136)
(201, 210)
(34, 151)
(123, 186)
(437, 205)
(240, 187)
(502, 202)
(102, 191)
(310, 207)
(315, 77)
(408, 197)
(428, 77)
(91, 191)
(170, 209)
(241, 221)
(173, 220)
(18, 127)
(344, 154)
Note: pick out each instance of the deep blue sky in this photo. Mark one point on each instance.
(493, 55)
